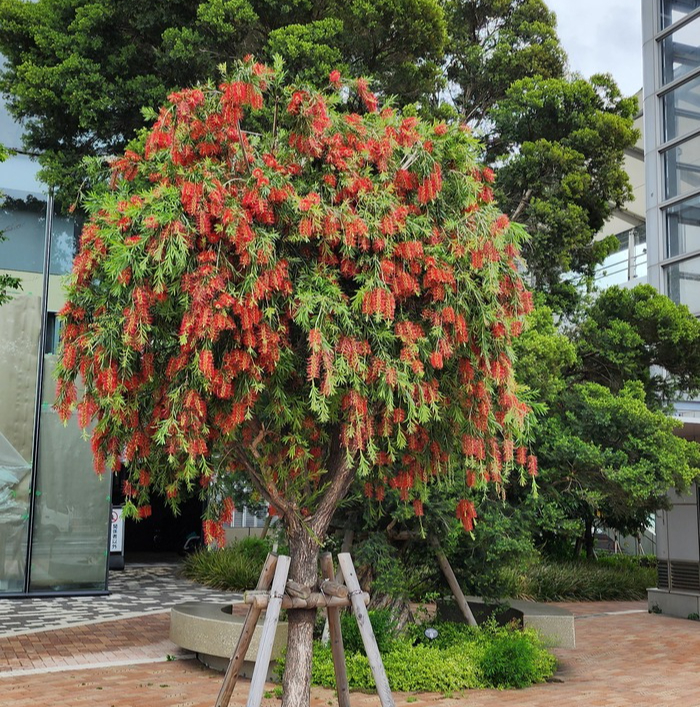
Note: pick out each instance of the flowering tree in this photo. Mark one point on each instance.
(329, 297)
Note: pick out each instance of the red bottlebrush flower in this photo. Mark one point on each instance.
(508, 450)
(521, 455)
(144, 478)
(145, 511)
(471, 478)
(334, 78)
(500, 224)
(399, 415)
(436, 360)
(440, 129)
(369, 489)
(532, 465)
(227, 511)
(366, 96)
(379, 492)
(466, 513)
(418, 507)
(315, 340)
(488, 175)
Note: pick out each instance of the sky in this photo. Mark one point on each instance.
(603, 36)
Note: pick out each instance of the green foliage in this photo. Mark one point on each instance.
(384, 627)
(493, 44)
(561, 143)
(639, 335)
(78, 73)
(234, 568)
(579, 581)
(607, 450)
(460, 658)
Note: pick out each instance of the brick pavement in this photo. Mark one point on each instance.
(623, 659)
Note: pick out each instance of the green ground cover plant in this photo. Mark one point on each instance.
(235, 567)
(460, 658)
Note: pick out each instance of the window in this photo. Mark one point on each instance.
(680, 52)
(674, 10)
(682, 109)
(682, 167)
(683, 283)
(683, 227)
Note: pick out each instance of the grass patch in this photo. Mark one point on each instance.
(460, 658)
(608, 579)
(235, 568)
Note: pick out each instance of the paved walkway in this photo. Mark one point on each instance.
(138, 590)
(625, 657)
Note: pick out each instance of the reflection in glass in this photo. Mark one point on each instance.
(683, 283)
(683, 227)
(69, 544)
(682, 109)
(674, 10)
(682, 167)
(680, 52)
(20, 326)
(23, 222)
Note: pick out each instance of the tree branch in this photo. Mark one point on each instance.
(522, 205)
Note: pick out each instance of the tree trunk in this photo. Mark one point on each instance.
(296, 684)
(588, 539)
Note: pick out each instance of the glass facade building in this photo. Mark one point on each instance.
(671, 30)
(671, 35)
(54, 511)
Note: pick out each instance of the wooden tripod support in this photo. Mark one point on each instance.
(275, 592)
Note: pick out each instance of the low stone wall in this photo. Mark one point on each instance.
(554, 624)
(211, 631)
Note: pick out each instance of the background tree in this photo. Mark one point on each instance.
(332, 297)
(78, 73)
(607, 448)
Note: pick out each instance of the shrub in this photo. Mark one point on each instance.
(618, 580)
(234, 568)
(459, 658)
(383, 625)
(513, 659)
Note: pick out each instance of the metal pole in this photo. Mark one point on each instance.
(39, 387)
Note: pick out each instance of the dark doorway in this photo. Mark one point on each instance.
(162, 532)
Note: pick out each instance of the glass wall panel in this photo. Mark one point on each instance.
(72, 504)
(682, 168)
(683, 228)
(680, 52)
(683, 283)
(682, 109)
(69, 543)
(675, 10)
(20, 330)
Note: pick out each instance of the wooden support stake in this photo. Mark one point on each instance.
(315, 601)
(251, 620)
(346, 546)
(262, 661)
(452, 581)
(333, 588)
(336, 636)
(294, 589)
(363, 623)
